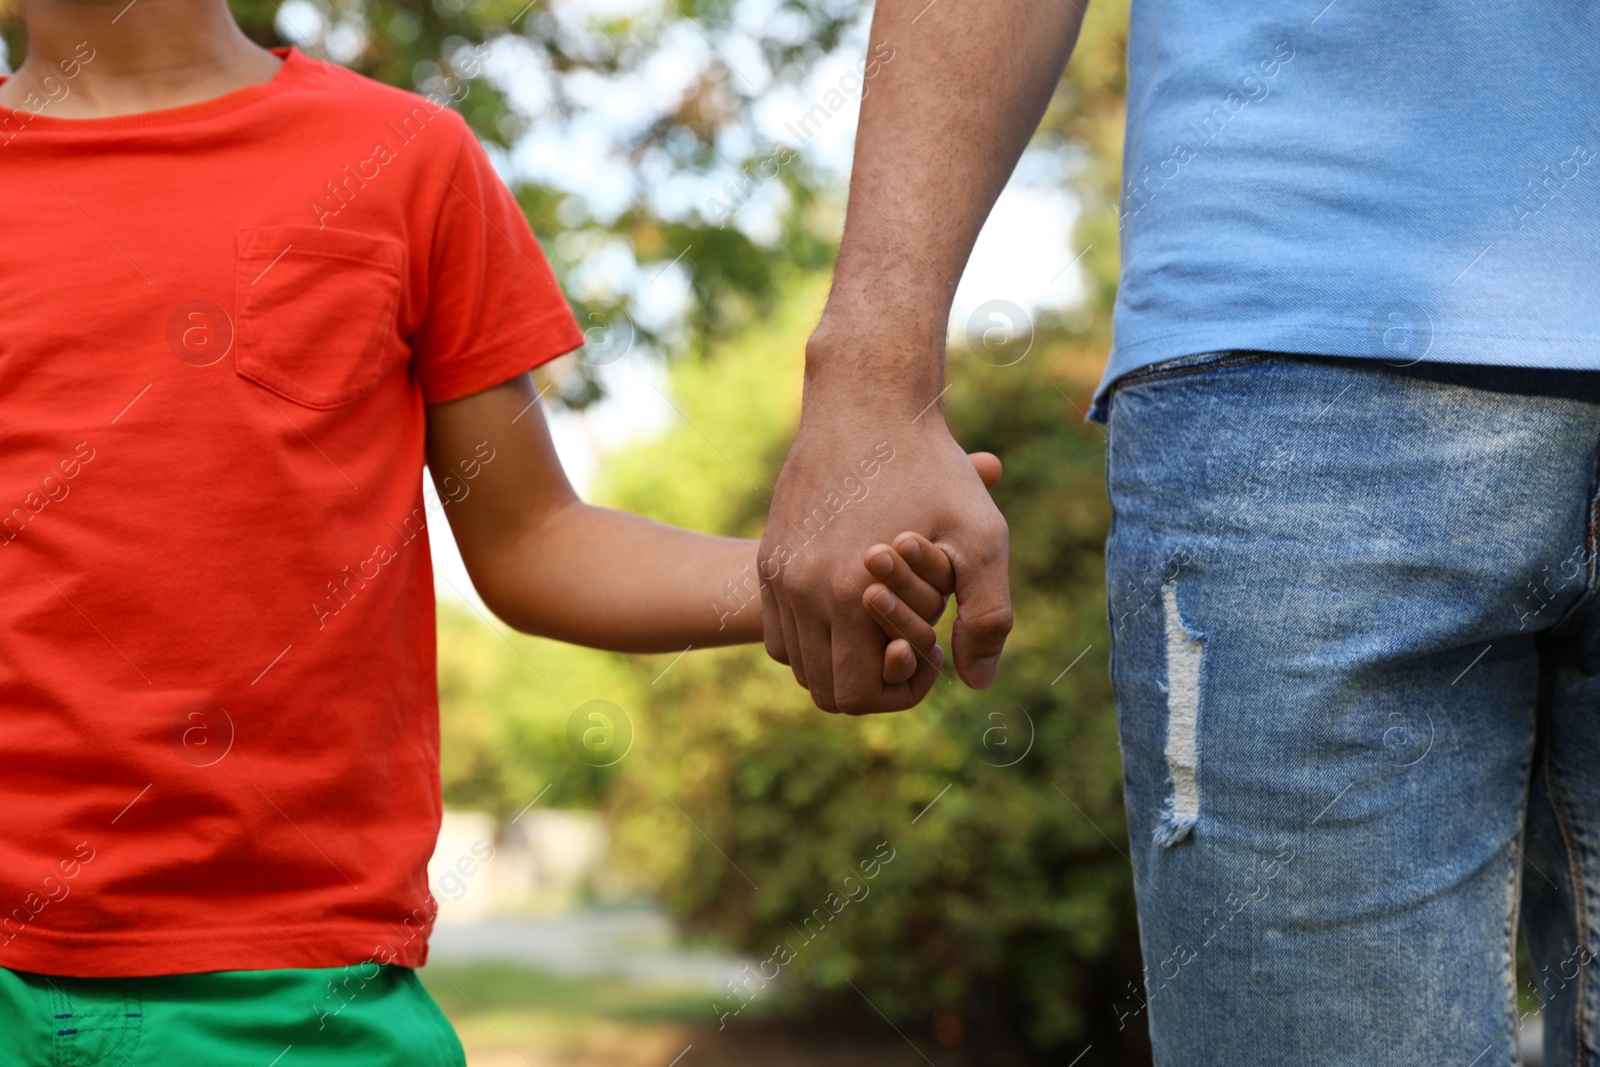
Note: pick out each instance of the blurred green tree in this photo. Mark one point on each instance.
(505, 701)
(674, 152)
(1006, 909)
(1007, 905)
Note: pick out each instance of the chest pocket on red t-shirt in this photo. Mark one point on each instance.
(315, 312)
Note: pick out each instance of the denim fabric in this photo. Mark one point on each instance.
(1355, 647)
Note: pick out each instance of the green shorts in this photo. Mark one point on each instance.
(363, 1016)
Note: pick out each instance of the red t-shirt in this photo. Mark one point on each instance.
(219, 326)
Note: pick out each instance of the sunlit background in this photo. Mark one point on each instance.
(676, 860)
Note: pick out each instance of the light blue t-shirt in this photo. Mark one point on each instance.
(1398, 179)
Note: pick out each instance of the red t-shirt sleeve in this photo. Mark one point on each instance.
(493, 308)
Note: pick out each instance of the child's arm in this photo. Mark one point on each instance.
(549, 564)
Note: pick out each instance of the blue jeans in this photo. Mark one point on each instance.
(1355, 655)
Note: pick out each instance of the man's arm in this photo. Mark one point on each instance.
(959, 87)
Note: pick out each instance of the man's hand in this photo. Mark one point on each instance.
(811, 563)
(952, 94)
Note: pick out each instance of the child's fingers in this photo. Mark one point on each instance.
(900, 661)
(890, 568)
(927, 560)
(897, 621)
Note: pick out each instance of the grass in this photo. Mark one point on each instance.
(511, 1016)
(468, 991)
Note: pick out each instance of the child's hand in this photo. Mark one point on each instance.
(914, 580)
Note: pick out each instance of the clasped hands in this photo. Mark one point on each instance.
(857, 628)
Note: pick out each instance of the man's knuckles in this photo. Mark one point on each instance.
(994, 621)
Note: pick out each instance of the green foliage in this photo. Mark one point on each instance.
(1013, 877)
(1007, 885)
(1012, 888)
(435, 46)
(505, 700)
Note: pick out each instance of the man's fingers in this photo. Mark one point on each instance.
(816, 651)
(859, 685)
(836, 648)
(928, 561)
(987, 464)
(772, 635)
(856, 657)
(890, 568)
(983, 609)
(791, 641)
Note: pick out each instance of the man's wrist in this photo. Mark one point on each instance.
(898, 359)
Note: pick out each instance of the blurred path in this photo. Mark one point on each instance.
(637, 943)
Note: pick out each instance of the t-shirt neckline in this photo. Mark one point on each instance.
(294, 68)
